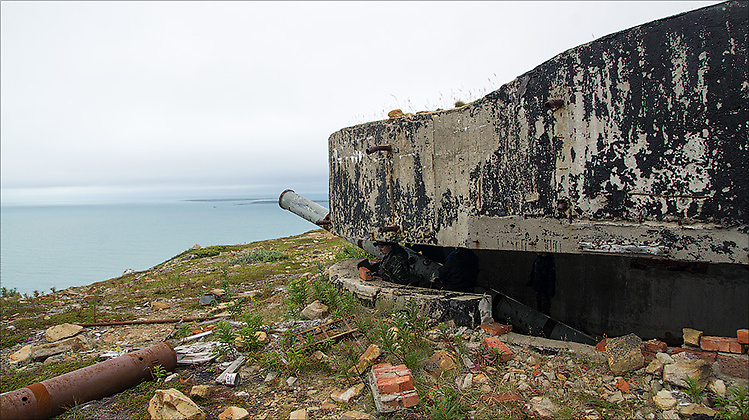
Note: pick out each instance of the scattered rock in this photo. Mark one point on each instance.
(439, 363)
(39, 353)
(365, 360)
(200, 391)
(300, 414)
(207, 299)
(676, 373)
(320, 356)
(691, 337)
(58, 332)
(242, 394)
(314, 310)
(655, 367)
(624, 354)
(345, 396)
(464, 382)
(271, 376)
(615, 397)
(290, 381)
(234, 413)
(664, 400)
(718, 387)
(543, 407)
(160, 305)
(171, 378)
(22, 356)
(396, 113)
(695, 409)
(170, 404)
(664, 358)
(357, 415)
(262, 337)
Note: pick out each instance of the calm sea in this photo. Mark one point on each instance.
(63, 246)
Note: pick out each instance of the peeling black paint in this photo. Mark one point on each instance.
(653, 128)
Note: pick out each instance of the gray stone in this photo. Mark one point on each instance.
(676, 373)
(692, 337)
(664, 400)
(314, 310)
(200, 391)
(234, 413)
(718, 387)
(344, 396)
(58, 332)
(41, 353)
(543, 407)
(170, 404)
(664, 358)
(21, 356)
(624, 354)
(300, 414)
(357, 415)
(464, 381)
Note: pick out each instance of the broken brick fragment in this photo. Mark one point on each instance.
(655, 346)
(495, 328)
(493, 343)
(601, 346)
(742, 336)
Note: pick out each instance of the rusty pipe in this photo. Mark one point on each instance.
(553, 104)
(385, 148)
(304, 208)
(49, 398)
(150, 321)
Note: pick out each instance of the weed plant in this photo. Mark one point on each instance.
(350, 251)
(225, 335)
(735, 405)
(444, 403)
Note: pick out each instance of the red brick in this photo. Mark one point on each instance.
(742, 336)
(655, 346)
(622, 385)
(393, 385)
(499, 347)
(409, 399)
(737, 366)
(601, 346)
(710, 343)
(648, 355)
(704, 355)
(496, 328)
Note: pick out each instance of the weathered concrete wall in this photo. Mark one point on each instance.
(645, 152)
(615, 295)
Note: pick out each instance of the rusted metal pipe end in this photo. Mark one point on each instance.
(553, 104)
(51, 397)
(280, 197)
(325, 223)
(373, 149)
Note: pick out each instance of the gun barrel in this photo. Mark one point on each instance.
(305, 208)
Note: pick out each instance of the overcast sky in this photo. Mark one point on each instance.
(126, 100)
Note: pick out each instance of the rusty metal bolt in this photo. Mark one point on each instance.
(553, 104)
(386, 148)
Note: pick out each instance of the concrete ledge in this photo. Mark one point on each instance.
(465, 309)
